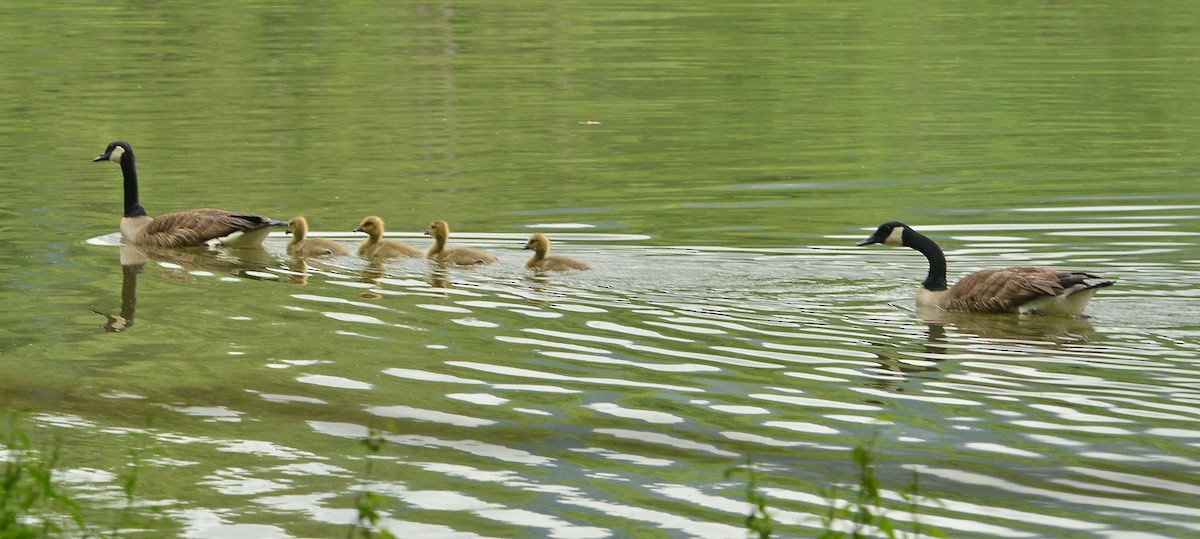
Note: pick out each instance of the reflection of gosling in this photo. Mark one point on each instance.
(1008, 290)
(540, 245)
(302, 246)
(376, 247)
(186, 228)
(464, 256)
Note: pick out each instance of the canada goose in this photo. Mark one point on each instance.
(204, 226)
(375, 247)
(1008, 290)
(463, 256)
(302, 246)
(540, 244)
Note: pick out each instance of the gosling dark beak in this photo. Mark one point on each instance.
(426, 232)
(526, 247)
(287, 232)
(359, 229)
(100, 158)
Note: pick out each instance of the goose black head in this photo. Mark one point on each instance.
(115, 152)
(888, 234)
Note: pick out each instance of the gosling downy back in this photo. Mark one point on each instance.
(540, 245)
(463, 256)
(303, 246)
(1019, 289)
(204, 226)
(377, 247)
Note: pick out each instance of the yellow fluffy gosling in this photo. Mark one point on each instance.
(376, 247)
(463, 256)
(540, 245)
(302, 246)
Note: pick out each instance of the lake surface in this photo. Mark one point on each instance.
(715, 163)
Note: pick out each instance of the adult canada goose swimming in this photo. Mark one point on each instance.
(204, 226)
(540, 245)
(1008, 290)
(302, 246)
(463, 256)
(376, 247)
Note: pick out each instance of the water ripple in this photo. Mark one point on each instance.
(434, 416)
(543, 404)
(538, 375)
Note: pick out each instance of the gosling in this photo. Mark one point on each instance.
(376, 247)
(304, 247)
(540, 245)
(463, 256)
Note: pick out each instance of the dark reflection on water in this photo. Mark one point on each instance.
(124, 320)
(1056, 329)
(181, 264)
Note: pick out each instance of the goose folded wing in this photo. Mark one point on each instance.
(196, 227)
(1075, 281)
(1002, 290)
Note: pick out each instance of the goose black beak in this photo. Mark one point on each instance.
(875, 238)
(100, 158)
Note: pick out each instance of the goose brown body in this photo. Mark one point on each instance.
(301, 245)
(540, 245)
(463, 256)
(377, 247)
(203, 226)
(1019, 289)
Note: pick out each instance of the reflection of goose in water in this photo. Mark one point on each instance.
(131, 265)
(949, 333)
(372, 275)
(376, 247)
(301, 245)
(298, 268)
(1008, 290)
(186, 228)
(540, 245)
(242, 263)
(375, 272)
(463, 256)
(1055, 329)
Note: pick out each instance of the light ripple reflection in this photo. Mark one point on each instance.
(575, 394)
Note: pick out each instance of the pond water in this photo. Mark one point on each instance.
(716, 164)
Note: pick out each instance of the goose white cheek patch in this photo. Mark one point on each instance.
(115, 155)
(896, 237)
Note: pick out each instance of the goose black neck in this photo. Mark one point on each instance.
(133, 208)
(936, 279)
